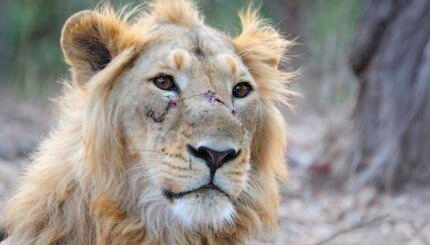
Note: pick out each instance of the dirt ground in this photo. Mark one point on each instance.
(311, 212)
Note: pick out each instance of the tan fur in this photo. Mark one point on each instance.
(261, 48)
(106, 26)
(180, 58)
(96, 179)
(179, 12)
(230, 63)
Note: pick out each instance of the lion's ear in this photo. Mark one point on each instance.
(262, 48)
(90, 40)
(258, 41)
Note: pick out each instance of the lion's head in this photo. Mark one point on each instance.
(179, 115)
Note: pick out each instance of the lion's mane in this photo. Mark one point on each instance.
(73, 191)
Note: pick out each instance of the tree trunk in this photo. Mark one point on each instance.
(391, 57)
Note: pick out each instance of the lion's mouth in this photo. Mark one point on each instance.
(176, 195)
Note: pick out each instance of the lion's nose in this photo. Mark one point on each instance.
(213, 158)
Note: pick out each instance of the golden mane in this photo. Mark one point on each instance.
(72, 193)
(262, 49)
(179, 12)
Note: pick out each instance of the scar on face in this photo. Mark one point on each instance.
(159, 117)
(181, 58)
(208, 96)
(212, 98)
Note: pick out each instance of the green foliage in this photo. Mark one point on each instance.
(331, 19)
(30, 33)
(222, 14)
(331, 26)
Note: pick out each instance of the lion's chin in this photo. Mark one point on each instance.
(202, 210)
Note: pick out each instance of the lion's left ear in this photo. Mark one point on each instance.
(262, 48)
(259, 42)
(90, 40)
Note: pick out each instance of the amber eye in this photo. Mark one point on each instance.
(242, 89)
(165, 82)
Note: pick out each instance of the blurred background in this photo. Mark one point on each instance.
(359, 138)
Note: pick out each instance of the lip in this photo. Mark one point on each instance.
(177, 195)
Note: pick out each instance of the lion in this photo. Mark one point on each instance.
(168, 133)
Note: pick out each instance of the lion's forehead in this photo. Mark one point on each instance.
(191, 38)
(202, 45)
(200, 56)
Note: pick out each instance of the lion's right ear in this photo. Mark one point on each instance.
(90, 40)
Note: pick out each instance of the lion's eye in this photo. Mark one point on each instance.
(165, 82)
(242, 89)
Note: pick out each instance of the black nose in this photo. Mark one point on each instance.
(213, 158)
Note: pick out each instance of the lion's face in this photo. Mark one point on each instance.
(190, 110)
(182, 113)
